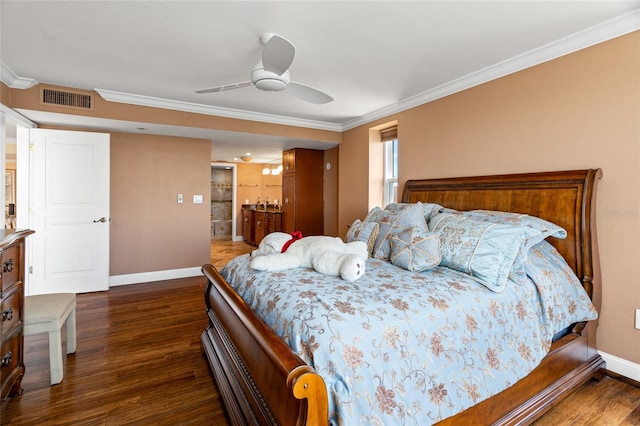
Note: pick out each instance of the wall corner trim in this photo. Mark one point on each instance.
(145, 277)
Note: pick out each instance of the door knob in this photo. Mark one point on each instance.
(102, 219)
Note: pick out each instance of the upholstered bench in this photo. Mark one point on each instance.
(46, 313)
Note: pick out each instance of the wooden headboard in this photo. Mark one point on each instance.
(564, 198)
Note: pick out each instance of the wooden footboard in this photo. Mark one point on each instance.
(260, 379)
(562, 371)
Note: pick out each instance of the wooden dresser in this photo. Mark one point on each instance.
(12, 244)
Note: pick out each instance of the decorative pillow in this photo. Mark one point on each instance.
(363, 231)
(484, 250)
(541, 230)
(415, 249)
(373, 214)
(429, 210)
(394, 216)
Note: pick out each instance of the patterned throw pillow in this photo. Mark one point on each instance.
(363, 231)
(484, 250)
(415, 249)
(394, 217)
(429, 210)
(540, 230)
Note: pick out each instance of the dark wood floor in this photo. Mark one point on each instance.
(139, 362)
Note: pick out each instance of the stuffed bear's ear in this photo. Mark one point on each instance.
(271, 243)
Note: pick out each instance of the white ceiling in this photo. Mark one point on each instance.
(372, 57)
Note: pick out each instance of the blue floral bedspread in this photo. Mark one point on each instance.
(398, 347)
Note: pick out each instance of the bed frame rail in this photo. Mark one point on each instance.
(234, 335)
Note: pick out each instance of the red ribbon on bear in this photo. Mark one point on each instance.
(295, 236)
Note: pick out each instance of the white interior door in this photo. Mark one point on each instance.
(69, 210)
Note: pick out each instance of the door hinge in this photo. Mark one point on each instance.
(31, 269)
(31, 147)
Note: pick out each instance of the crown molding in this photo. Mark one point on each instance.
(128, 98)
(608, 30)
(8, 77)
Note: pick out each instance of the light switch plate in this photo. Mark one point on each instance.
(179, 198)
(197, 199)
(638, 319)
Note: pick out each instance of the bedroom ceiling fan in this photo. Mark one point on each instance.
(272, 72)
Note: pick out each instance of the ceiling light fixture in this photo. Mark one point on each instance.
(272, 170)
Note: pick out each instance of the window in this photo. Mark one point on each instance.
(390, 190)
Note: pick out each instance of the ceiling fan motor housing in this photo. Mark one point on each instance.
(269, 81)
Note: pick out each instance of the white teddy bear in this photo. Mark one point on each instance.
(327, 255)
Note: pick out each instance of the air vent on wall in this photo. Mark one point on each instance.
(67, 99)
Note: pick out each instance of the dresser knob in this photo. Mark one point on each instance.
(7, 266)
(7, 315)
(6, 360)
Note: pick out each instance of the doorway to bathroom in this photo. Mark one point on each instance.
(222, 202)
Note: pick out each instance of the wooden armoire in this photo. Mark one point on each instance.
(302, 189)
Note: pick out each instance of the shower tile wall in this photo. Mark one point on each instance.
(221, 202)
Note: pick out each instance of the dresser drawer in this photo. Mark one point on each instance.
(11, 310)
(11, 365)
(259, 226)
(11, 266)
(274, 223)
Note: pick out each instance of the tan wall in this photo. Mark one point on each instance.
(5, 94)
(150, 231)
(271, 187)
(578, 111)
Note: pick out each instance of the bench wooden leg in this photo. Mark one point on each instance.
(71, 332)
(55, 356)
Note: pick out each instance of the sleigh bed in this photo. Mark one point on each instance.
(263, 381)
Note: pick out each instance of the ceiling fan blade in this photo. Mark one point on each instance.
(307, 93)
(226, 87)
(278, 53)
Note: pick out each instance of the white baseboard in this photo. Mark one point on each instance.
(145, 277)
(238, 238)
(621, 366)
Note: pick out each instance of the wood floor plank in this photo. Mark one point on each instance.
(605, 402)
(139, 362)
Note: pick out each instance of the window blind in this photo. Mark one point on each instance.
(389, 134)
